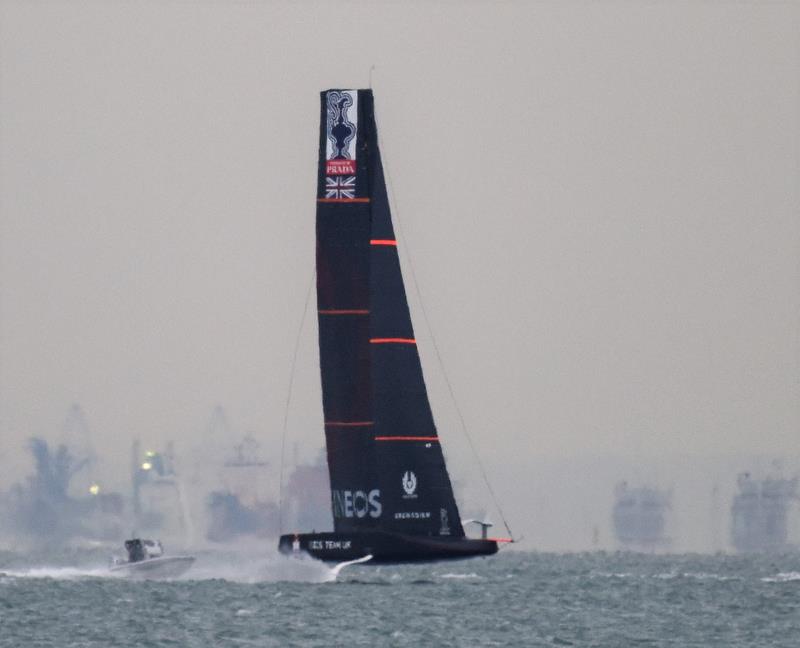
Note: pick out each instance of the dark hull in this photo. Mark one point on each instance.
(384, 547)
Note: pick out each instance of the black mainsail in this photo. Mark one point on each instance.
(390, 491)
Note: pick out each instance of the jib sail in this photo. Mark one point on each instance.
(386, 465)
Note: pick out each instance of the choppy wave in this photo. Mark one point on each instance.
(231, 599)
(782, 577)
(668, 576)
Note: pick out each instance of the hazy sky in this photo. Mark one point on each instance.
(600, 201)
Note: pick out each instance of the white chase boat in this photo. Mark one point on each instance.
(146, 559)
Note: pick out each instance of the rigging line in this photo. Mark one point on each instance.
(289, 398)
(406, 248)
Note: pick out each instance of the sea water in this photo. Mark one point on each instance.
(513, 599)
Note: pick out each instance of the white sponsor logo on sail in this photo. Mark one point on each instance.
(409, 484)
(445, 528)
(341, 131)
(357, 504)
(412, 515)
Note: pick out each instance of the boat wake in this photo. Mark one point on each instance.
(338, 568)
(60, 573)
(269, 569)
(233, 568)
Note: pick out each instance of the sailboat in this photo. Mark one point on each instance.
(390, 491)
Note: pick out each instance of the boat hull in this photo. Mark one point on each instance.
(384, 547)
(155, 568)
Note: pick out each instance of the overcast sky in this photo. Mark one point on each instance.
(599, 200)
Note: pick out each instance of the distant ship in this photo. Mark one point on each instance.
(640, 517)
(160, 504)
(760, 514)
(62, 498)
(238, 509)
(390, 490)
(307, 503)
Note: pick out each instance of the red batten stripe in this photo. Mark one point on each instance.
(501, 539)
(343, 200)
(406, 438)
(392, 341)
(349, 423)
(383, 242)
(344, 311)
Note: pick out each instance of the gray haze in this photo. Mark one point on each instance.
(599, 201)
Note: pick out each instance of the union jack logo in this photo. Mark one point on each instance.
(340, 187)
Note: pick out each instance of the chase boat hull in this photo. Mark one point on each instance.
(155, 568)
